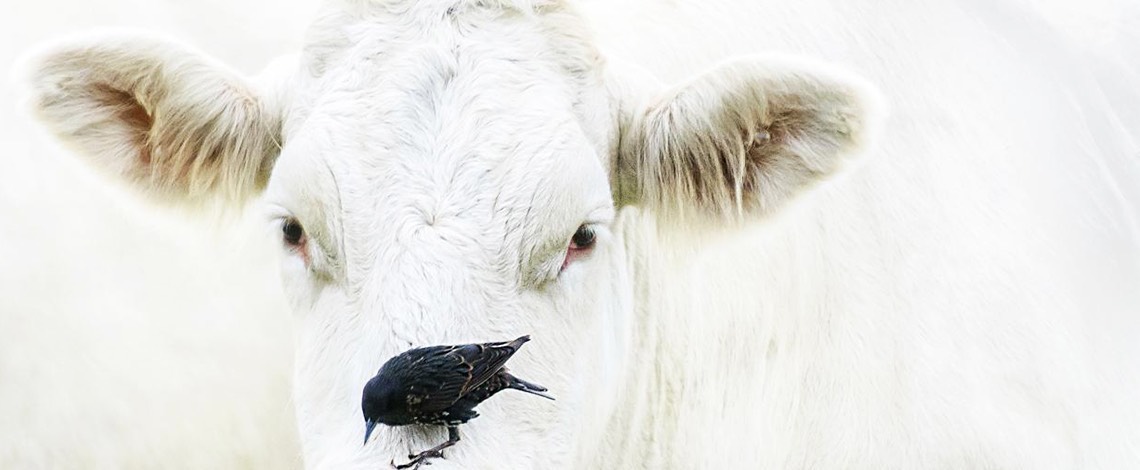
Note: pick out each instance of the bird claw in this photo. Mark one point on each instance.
(418, 460)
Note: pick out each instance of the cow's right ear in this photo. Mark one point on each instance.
(161, 116)
(742, 140)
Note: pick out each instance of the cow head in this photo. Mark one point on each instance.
(453, 171)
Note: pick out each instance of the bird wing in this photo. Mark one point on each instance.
(485, 360)
(460, 369)
(435, 380)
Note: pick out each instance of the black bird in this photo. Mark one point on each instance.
(440, 385)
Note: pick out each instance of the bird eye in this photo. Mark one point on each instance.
(292, 232)
(583, 238)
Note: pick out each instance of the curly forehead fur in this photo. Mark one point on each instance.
(549, 28)
(450, 105)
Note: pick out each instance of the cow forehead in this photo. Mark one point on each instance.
(474, 143)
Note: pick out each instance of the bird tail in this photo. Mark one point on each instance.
(518, 342)
(524, 386)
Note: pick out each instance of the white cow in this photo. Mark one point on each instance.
(456, 170)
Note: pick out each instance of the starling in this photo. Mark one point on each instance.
(440, 385)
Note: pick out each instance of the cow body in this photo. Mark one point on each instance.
(987, 285)
(780, 279)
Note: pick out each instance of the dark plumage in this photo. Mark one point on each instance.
(440, 385)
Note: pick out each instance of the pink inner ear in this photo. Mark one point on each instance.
(134, 117)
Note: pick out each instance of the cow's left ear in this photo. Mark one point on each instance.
(157, 115)
(742, 140)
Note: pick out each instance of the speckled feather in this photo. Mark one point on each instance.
(442, 384)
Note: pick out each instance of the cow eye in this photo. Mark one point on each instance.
(583, 238)
(581, 245)
(292, 232)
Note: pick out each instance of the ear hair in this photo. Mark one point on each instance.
(743, 139)
(157, 114)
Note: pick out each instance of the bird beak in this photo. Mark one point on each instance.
(369, 425)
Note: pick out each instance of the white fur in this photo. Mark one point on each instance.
(959, 301)
(131, 338)
(156, 113)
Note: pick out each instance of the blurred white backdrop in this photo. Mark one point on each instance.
(89, 274)
(115, 312)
